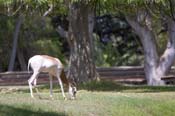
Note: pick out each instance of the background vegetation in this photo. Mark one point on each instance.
(38, 36)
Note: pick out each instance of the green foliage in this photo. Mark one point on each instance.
(49, 46)
(38, 37)
(118, 52)
(43, 38)
(28, 7)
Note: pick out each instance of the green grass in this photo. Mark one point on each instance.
(94, 99)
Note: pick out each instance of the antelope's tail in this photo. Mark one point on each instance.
(28, 66)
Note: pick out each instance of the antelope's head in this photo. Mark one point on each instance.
(72, 90)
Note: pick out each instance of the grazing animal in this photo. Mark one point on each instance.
(54, 67)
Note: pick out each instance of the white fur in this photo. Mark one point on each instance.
(42, 63)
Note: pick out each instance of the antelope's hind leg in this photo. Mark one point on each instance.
(31, 80)
(35, 87)
(51, 85)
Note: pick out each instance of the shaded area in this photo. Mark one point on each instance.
(94, 86)
(112, 86)
(6, 110)
(25, 89)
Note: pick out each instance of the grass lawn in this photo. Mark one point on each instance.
(94, 99)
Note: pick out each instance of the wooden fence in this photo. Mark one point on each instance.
(134, 75)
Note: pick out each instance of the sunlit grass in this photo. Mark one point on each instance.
(93, 99)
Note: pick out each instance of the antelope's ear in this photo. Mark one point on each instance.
(74, 83)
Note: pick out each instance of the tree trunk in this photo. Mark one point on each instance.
(0, 68)
(167, 59)
(21, 60)
(80, 39)
(154, 66)
(15, 43)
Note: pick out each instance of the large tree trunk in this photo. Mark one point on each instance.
(15, 43)
(21, 60)
(0, 68)
(80, 39)
(154, 66)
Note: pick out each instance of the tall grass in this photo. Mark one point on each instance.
(94, 99)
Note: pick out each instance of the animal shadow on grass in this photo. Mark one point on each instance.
(6, 110)
(119, 87)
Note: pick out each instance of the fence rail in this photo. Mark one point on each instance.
(134, 75)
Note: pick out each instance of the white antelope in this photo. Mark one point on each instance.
(44, 63)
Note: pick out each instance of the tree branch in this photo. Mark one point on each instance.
(171, 32)
(171, 9)
(18, 9)
(134, 24)
(48, 11)
(167, 59)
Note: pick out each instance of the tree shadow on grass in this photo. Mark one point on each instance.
(6, 110)
(41, 88)
(113, 86)
(107, 86)
(46, 87)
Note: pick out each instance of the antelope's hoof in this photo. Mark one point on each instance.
(65, 98)
(51, 98)
(73, 98)
(32, 96)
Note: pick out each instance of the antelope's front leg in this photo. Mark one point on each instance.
(51, 85)
(61, 85)
(30, 81)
